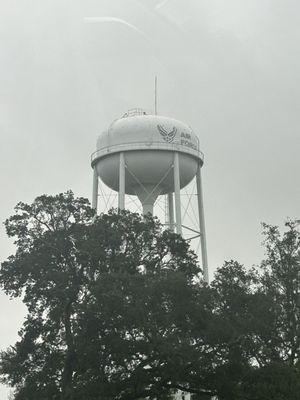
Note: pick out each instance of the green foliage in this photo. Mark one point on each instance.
(259, 312)
(108, 299)
(117, 309)
(276, 381)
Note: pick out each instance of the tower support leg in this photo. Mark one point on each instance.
(202, 225)
(170, 212)
(95, 190)
(177, 193)
(121, 197)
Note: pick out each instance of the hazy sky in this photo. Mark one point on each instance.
(228, 68)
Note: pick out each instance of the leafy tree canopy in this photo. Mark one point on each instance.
(109, 299)
(117, 309)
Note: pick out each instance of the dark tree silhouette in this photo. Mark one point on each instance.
(109, 301)
(117, 309)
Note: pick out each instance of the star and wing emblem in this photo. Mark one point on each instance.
(167, 136)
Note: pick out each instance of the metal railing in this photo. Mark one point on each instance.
(153, 145)
(133, 112)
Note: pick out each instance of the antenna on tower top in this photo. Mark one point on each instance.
(155, 95)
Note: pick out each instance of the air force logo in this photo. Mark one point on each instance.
(167, 136)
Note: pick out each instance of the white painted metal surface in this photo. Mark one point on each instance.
(95, 189)
(148, 156)
(202, 225)
(121, 200)
(170, 211)
(148, 143)
(177, 193)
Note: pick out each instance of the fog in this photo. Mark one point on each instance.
(230, 69)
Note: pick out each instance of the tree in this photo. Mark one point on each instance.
(109, 303)
(46, 272)
(276, 333)
(117, 309)
(280, 283)
(276, 381)
(259, 315)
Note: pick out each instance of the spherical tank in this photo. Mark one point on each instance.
(148, 143)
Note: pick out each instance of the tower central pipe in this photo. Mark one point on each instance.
(177, 193)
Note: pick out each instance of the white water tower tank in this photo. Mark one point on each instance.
(148, 156)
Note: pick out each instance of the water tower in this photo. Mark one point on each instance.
(149, 156)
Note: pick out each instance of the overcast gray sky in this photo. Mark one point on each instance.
(228, 68)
